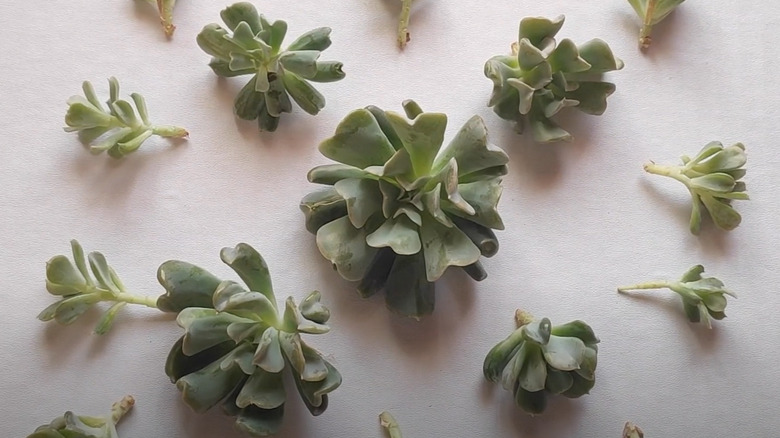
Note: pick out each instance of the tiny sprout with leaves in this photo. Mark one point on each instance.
(251, 45)
(540, 78)
(71, 425)
(540, 359)
(118, 130)
(165, 9)
(632, 431)
(652, 12)
(713, 180)
(704, 298)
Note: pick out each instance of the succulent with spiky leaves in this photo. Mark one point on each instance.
(251, 45)
(401, 209)
(538, 359)
(71, 425)
(540, 78)
(235, 351)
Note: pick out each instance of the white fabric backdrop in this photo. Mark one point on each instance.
(581, 218)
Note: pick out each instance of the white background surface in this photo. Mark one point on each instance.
(581, 218)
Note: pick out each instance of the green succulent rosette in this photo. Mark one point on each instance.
(71, 425)
(541, 77)
(539, 359)
(235, 351)
(252, 45)
(400, 209)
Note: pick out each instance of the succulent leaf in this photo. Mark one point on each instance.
(70, 425)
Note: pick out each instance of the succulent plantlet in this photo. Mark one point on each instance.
(71, 425)
(251, 45)
(403, 23)
(704, 298)
(116, 130)
(401, 209)
(235, 350)
(165, 9)
(540, 78)
(632, 431)
(538, 359)
(652, 12)
(713, 180)
(388, 423)
(78, 291)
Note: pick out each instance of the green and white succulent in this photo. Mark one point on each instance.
(165, 10)
(235, 351)
(538, 359)
(71, 425)
(251, 45)
(401, 209)
(713, 180)
(704, 298)
(116, 130)
(540, 78)
(652, 12)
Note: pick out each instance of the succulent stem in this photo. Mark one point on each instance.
(670, 171)
(169, 131)
(644, 286)
(647, 26)
(135, 299)
(389, 423)
(523, 318)
(121, 408)
(403, 23)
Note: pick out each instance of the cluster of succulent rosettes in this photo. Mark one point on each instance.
(237, 346)
(251, 45)
(71, 425)
(116, 130)
(704, 298)
(538, 359)
(540, 78)
(401, 209)
(713, 180)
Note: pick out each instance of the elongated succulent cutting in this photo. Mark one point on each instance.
(538, 359)
(251, 45)
(713, 180)
(165, 9)
(401, 209)
(704, 298)
(235, 349)
(71, 425)
(116, 130)
(652, 12)
(403, 23)
(70, 280)
(632, 431)
(390, 425)
(540, 78)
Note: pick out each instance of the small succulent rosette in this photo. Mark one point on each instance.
(399, 209)
(538, 359)
(251, 45)
(71, 425)
(236, 349)
(541, 78)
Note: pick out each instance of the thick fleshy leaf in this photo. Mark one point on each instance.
(695, 221)
(321, 207)
(536, 29)
(587, 368)
(577, 329)
(600, 57)
(407, 291)
(179, 364)
(422, 138)
(534, 373)
(471, 150)
(241, 356)
(444, 247)
(242, 11)
(314, 369)
(71, 308)
(317, 39)
(384, 124)
(580, 386)
(255, 421)
(512, 369)
(566, 58)
(545, 130)
(303, 63)
(358, 142)
(329, 71)
(592, 96)
(207, 331)
(730, 158)
(314, 393)
(400, 234)
(268, 355)
(500, 355)
(363, 199)
(242, 330)
(378, 272)
(715, 302)
(203, 389)
(724, 216)
(345, 246)
(564, 353)
(558, 381)
(186, 285)
(538, 331)
(483, 196)
(263, 389)
(533, 403)
(231, 297)
(251, 267)
(713, 182)
(693, 274)
(293, 350)
(102, 272)
(63, 278)
(313, 310)
(306, 96)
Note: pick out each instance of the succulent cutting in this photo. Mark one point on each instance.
(71, 425)
(116, 130)
(713, 180)
(390, 425)
(541, 78)
(538, 359)
(235, 351)
(652, 12)
(251, 45)
(165, 10)
(632, 431)
(403, 23)
(704, 298)
(400, 209)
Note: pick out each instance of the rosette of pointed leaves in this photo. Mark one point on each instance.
(539, 359)
(704, 298)
(165, 10)
(235, 351)
(401, 209)
(251, 45)
(71, 425)
(540, 78)
(116, 130)
(78, 291)
(713, 180)
(652, 12)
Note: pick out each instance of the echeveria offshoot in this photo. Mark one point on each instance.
(116, 130)
(251, 45)
(632, 431)
(400, 209)
(651, 12)
(236, 349)
(165, 10)
(539, 359)
(713, 180)
(71, 425)
(704, 298)
(78, 291)
(388, 423)
(403, 23)
(540, 78)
